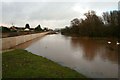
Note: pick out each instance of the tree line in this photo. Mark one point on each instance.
(107, 25)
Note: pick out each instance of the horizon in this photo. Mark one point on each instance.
(50, 14)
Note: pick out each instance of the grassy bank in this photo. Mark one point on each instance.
(22, 64)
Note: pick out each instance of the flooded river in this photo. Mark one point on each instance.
(94, 58)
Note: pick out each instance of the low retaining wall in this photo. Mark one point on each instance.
(10, 42)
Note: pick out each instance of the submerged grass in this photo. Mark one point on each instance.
(23, 64)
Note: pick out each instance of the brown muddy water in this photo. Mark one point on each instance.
(93, 57)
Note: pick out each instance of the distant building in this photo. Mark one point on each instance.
(32, 29)
(13, 28)
(18, 29)
(27, 29)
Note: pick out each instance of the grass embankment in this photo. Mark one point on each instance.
(22, 64)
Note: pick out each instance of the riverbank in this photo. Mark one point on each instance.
(20, 63)
(94, 37)
(10, 42)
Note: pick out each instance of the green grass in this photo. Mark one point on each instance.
(23, 64)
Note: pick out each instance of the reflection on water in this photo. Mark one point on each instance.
(94, 47)
(92, 57)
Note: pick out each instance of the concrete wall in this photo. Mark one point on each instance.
(10, 42)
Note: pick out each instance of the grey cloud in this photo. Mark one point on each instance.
(54, 11)
(53, 14)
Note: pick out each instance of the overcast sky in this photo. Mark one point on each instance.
(50, 13)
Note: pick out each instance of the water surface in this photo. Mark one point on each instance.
(94, 58)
